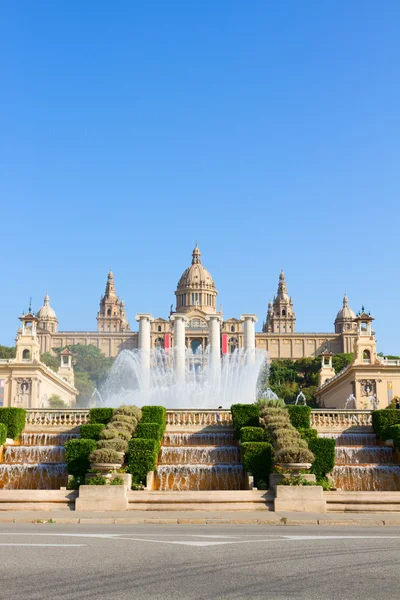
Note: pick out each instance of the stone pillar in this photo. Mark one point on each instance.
(214, 344)
(179, 321)
(145, 321)
(249, 335)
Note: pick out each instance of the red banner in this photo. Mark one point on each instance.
(167, 342)
(224, 343)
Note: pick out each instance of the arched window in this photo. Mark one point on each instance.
(159, 328)
(109, 312)
(283, 312)
(366, 356)
(26, 355)
(195, 346)
(232, 328)
(159, 343)
(233, 344)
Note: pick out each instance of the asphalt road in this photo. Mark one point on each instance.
(50, 561)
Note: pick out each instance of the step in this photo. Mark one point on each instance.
(37, 499)
(201, 500)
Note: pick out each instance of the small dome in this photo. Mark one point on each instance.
(110, 275)
(46, 312)
(345, 313)
(196, 275)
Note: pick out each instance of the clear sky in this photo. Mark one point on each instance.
(266, 130)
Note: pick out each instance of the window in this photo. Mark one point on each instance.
(159, 328)
(283, 313)
(232, 328)
(366, 356)
(109, 312)
(26, 355)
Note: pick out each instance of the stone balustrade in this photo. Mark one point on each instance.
(197, 418)
(336, 420)
(57, 419)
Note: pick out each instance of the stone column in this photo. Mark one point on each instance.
(214, 344)
(249, 335)
(145, 321)
(179, 321)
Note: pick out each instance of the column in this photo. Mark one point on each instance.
(145, 321)
(214, 344)
(249, 335)
(179, 321)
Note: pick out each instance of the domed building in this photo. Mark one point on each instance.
(196, 299)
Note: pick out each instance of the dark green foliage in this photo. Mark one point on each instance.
(3, 433)
(257, 459)
(394, 432)
(342, 360)
(324, 452)
(308, 434)
(383, 419)
(149, 431)
(77, 456)
(244, 415)
(97, 480)
(50, 360)
(252, 434)
(154, 414)
(92, 431)
(299, 416)
(7, 351)
(142, 458)
(101, 415)
(117, 481)
(14, 419)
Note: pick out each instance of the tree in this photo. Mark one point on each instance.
(342, 360)
(50, 360)
(7, 351)
(89, 359)
(85, 387)
(56, 402)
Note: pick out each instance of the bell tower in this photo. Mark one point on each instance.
(365, 344)
(281, 317)
(27, 344)
(111, 316)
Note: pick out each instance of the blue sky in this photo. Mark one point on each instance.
(268, 131)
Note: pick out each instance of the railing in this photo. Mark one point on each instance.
(340, 420)
(390, 362)
(191, 418)
(56, 418)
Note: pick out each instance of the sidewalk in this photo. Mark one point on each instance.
(199, 518)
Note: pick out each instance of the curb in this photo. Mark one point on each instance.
(188, 521)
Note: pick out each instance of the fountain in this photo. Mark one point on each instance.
(267, 394)
(373, 402)
(301, 399)
(351, 403)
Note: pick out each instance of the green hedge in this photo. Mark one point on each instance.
(308, 434)
(3, 433)
(14, 419)
(252, 434)
(257, 459)
(154, 414)
(299, 416)
(383, 419)
(77, 456)
(395, 435)
(142, 458)
(324, 452)
(244, 415)
(149, 431)
(100, 415)
(92, 431)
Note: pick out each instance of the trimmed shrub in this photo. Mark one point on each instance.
(118, 418)
(91, 431)
(149, 431)
(128, 411)
(97, 480)
(101, 415)
(308, 434)
(14, 419)
(287, 444)
(257, 459)
(154, 414)
(105, 455)
(294, 454)
(77, 456)
(3, 433)
(251, 434)
(124, 425)
(324, 452)
(270, 403)
(299, 416)
(117, 444)
(244, 415)
(382, 421)
(142, 458)
(111, 433)
(394, 434)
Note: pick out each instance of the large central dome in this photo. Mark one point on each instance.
(196, 287)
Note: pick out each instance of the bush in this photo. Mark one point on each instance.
(142, 458)
(101, 415)
(117, 481)
(324, 452)
(128, 411)
(105, 455)
(14, 419)
(257, 459)
(244, 415)
(97, 480)
(149, 431)
(270, 403)
(308, 434)
(117, 444)
(124, 425)
(154, 414)
(287, 444)
(119, 418)
(77, 456)
(299, 416)
(3, 433)
(394, 434)
(383, 419)
(91, 431)
(294, 454)
(74, 483)
(111, 433)
(251, 434)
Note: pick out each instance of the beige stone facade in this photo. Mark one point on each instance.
(196, 298)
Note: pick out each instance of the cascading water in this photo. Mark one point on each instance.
(235, 382)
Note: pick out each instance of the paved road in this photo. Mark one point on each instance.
(50, 561)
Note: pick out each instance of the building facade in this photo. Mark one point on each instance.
(196, 298)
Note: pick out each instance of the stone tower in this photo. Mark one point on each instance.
(111, 316)
(27, 343)
(196, 288)
(280, 316)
